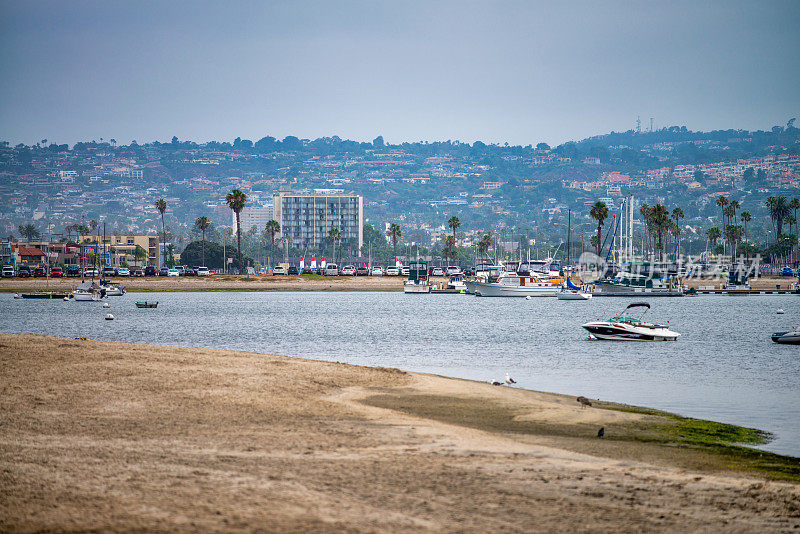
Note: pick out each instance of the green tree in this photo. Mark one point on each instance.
(484, 245)
(778, 209)
(202, 224)
(161, 206)
(236, 201)
(272, 229)
(746, 218)
(713, 234)
(394, 233)
(29, 232)
(599, 212)
(661, 223)
(454, 223)
(139, 254)
(722, 201)
(677, 215)
(334, 235)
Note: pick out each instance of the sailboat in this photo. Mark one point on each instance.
(569, 291)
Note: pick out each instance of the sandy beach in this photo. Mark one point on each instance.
(114, 436)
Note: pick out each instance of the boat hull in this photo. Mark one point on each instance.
(787, 338)
(573, 295)
(86, 297)
(496, 290)
(416, 288)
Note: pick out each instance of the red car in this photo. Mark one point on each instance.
(38, 272)
(56, 272)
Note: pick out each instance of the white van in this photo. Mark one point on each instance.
(8, 271)
(331, 269)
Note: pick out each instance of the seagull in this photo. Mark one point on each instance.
(584, 401)
(601, 432)
(510, 380)
(496, 383)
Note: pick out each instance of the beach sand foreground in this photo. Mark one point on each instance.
(116, 436)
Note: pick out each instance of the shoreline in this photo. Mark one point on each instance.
(122, 436)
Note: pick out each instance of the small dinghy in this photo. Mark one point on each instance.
(109, 317)
(791, 337)
(146, 304)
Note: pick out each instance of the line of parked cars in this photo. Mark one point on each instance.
(333, 269)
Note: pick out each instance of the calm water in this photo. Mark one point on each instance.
(724, 367)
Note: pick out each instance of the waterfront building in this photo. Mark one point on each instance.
(253, 215)
(124, 247)
(306, 218)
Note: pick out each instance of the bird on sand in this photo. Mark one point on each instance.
(510, 380)
(601, 432)
(584, 401)
(496, 383)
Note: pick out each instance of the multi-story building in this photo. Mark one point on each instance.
(251, 216)
(307, 218)
(124, 247)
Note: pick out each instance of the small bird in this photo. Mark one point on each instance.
(601, 432)
(510, 380)
(584, 401)
(496, 383)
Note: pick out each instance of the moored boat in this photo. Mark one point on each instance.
(510, 284)
(146, 304)
(417, 281)
(88, 292)
(572, 292)
(792, 337)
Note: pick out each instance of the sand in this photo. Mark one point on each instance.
(115, 436)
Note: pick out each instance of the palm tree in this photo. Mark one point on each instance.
(794, 205)
(734, 205)
(235, 201)
(453, 224)
(661, 222)
(161, 206)
(139, 254)
(722, 201)
(272, 229)
(202, 224)
(599, 212)
(677, 215)
(778, 210)
(394, 232)
(713, 234)
(484, 244)
(449, 251)
(171, 254)
(28, 231)
(746, 218)
(334, 235)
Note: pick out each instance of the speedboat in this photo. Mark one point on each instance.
(627, 328)
(791, 337)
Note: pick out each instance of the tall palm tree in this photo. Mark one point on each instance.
(28, 231)
(202, 224)
(661, 222)
(272, 229)
(722, 201)
(778, 210)
(484, 244)
(713, 234)
(599, 212)
(734, 205)
(235, 201)
(794, 205)
(677, 215)
(394, 232)
(746, 218)
(161, 206)
(453, 224)
(334, 235)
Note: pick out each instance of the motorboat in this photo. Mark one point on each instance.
(112, 290)
(627, 328)
(456, 283)
(572, 292)
(146, 304)
(417, 281)
(792, 337)
(512, 284)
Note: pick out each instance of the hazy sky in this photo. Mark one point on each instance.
(521, 72)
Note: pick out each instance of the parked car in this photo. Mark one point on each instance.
(437, 271)
(787, 271)
(278, 270)
(164, 271)
(123, 271)
(138, 272)
(469, 271)
(362, 270)
(292, 270)
(109, 271)
(203, 271)
(348, 270)
(56, 272)
(190, 271)
(150, 271)
(331, 269)
(392, 271)
(91, 271)
(8, 271)
(173, 272)
(453, 270)
(404, 270)
(24, 271)
(73, 270)
(377, 271)
(38, 272)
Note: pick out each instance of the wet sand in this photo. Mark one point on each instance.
(116, 436)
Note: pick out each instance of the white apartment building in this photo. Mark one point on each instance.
(308, 217)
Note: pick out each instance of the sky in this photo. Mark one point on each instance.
(516, 72)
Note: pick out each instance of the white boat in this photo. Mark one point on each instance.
(114, 291)
(417, 278)
(88, 292)
(791, 337)
(572, 292)
(627, 328)
(509, 284)
(457, 283)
